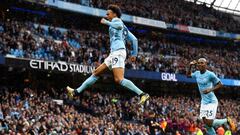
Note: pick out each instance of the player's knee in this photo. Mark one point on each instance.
(117, 80)
(95, 73)
(207, 122)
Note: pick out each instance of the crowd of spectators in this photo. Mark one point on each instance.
(35, 112)
(176, 12)
(28, 40)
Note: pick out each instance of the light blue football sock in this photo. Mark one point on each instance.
(87, 83)
(128, 84)
(210, 130)
(219, 122)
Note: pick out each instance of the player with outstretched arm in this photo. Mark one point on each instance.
(116, 60)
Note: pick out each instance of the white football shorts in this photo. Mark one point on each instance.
(116, 59)
(208, 111)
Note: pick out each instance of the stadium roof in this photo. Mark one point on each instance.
(229, 6)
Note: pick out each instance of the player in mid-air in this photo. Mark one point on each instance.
(116, 60)
(208, 82)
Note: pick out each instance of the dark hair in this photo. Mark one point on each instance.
(115, 9)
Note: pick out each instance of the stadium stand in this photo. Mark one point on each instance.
(175, 12)
(91, 47)
(34, 111)
(35, 101)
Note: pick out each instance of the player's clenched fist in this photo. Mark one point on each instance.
(193, 62)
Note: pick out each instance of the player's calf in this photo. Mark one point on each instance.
(208, 122)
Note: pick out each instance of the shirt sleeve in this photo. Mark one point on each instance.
(214, 78)
(134, 42)
(115, 23)
(193, 75)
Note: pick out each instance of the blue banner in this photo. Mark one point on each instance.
(228, 35)
(171, 77)
(2, 59)
(84, 9)
(61, 66)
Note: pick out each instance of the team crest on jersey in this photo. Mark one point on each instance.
(202, 80)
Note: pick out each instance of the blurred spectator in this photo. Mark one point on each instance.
(27, 40)
(95, 113)
(176, 12)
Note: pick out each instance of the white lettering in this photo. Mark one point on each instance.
(45, 65)
(81, 68)
(61, 66)
(49, 65)
(168, 77)
(55, 65)
(71, 68)
(33, 64)
(64, 67)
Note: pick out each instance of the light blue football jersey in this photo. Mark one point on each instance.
(205, 81)
(119, 33)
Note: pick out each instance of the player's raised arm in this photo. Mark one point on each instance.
(134, 42)
(115, 23)
(189, 72)
(113, 15)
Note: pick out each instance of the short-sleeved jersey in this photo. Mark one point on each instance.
(205, 81)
